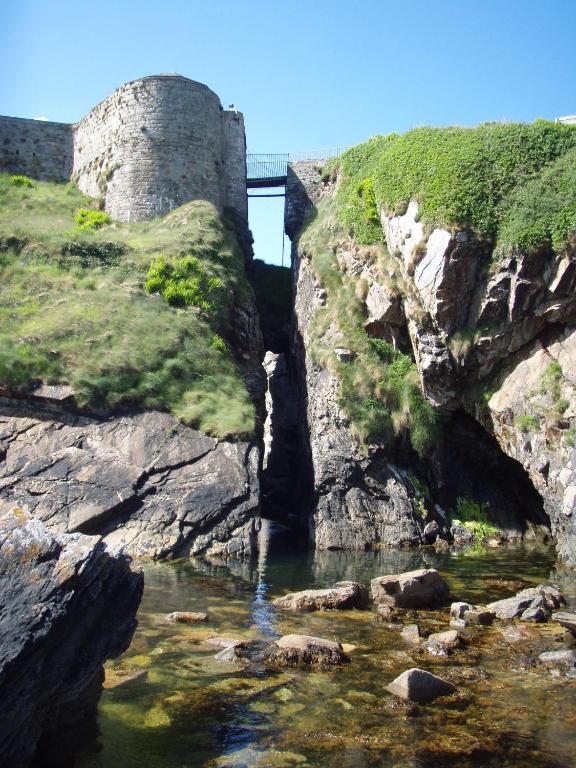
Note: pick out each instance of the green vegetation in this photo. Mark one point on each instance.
(492, 179)
(88, 219)
(21, 181)
(379, 385)
(527, 423)
(74, 307)
(542, 211)
(472, 514)
(183, 282)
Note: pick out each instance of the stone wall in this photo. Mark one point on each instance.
(151, 146)
(36, 148)
(234, 163)
(304, 187)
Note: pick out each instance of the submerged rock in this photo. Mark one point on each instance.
(68, 604)
(343, 595)
(442, 643)
(424, 588)
(566, 619)
(420, 686)
(564, 658)
(410, 634)
(185, 617)
(303, 650)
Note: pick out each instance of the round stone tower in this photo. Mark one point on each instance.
(157, 143)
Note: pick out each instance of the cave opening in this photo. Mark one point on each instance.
(469, 463)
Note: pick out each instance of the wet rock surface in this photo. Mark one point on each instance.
(533, 604)
(68, 604)
(423, 588)
(344, 595)
(420, 686)
(143, 481)
(303, 650)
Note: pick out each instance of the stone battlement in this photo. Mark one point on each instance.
(151, 146)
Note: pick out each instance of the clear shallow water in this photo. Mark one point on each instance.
(192, 711)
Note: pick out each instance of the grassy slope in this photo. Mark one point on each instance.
(74, 309)
(379, 388)
(476, 178)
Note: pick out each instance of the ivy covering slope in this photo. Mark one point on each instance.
(492, 179)
(127, 314)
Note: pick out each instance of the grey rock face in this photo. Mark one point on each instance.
(68, 604)
(424, 588)
(564, 658)
(344, 595)
(420, 686)
(142, 481)
(442, 643)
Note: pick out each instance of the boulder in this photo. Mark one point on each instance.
(344, 595)
(303, 650)
(464, 614)
(533, 604)
(415, 589)
(420, 686)
(68, 604)
(566, 619)
(518, 634)
(442, 643)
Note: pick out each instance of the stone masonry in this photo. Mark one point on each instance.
(151, 146)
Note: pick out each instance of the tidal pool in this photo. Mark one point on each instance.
(190, 711)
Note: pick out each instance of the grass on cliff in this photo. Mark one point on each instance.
(74, 307)
(379, 386)
(513, 182)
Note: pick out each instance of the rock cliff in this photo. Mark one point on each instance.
(68, 604)
(144, 481)
(489, 325)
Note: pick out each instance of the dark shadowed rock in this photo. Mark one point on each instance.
(344, 595)
(415, 589)
(68, 604)
(420, 686)
(303, 650)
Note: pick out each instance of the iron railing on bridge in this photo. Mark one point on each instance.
(274, 166)
(266, 166)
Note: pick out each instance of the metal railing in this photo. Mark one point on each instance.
(266, 166)
(275, 166)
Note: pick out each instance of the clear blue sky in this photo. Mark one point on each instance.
(307, 74)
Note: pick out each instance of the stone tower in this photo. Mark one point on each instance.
(151, 146)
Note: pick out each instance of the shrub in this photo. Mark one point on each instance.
(473, 516)
(89, 220)
(527, 423)
(183, 282)
(21, 181)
